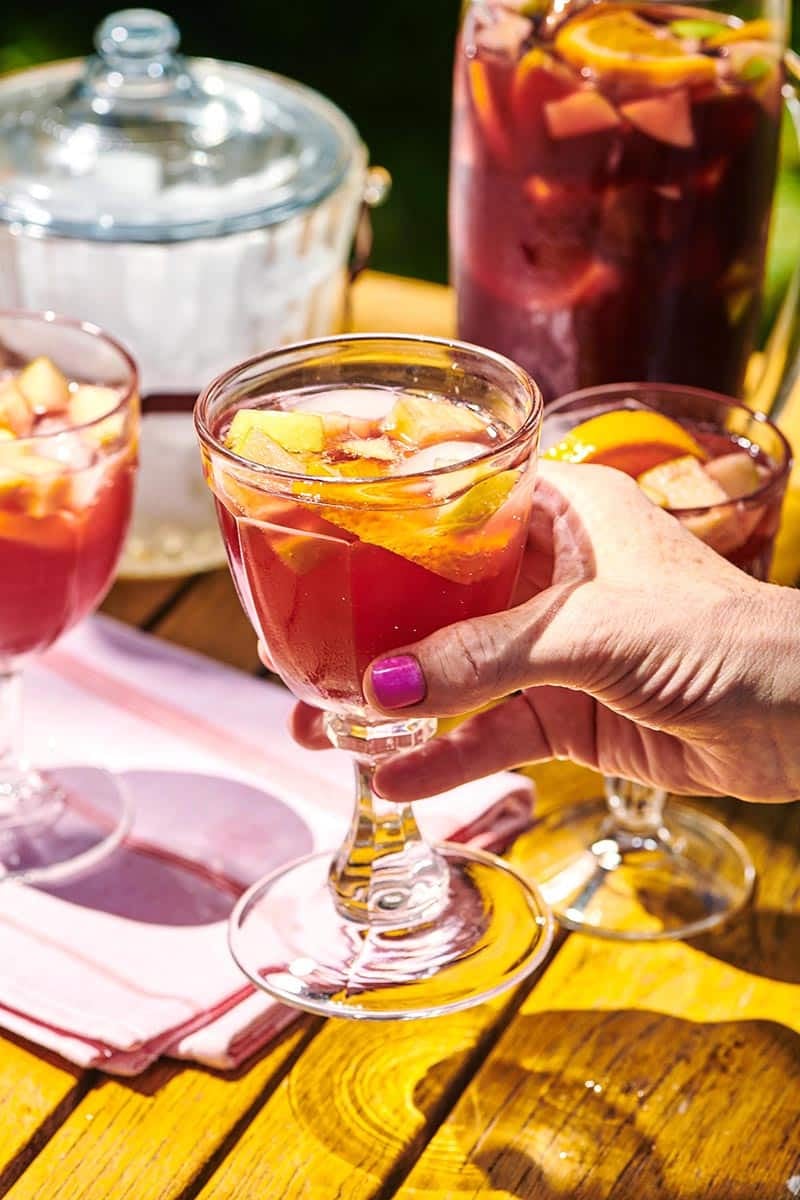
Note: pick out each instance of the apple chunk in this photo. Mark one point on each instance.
(737, 474)
(681, 483)
(29, 482)
(422, 421)
(15, 416)
(88, 405)
(295, 432)
(44, 387)
(581, 113)
(666, 118)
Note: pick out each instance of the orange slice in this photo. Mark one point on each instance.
(463, 541)
(620, 42)
(633, 441)
(760, 30)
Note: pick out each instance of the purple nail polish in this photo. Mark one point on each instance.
(398, 682)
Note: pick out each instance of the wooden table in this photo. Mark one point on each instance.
(632, 1072)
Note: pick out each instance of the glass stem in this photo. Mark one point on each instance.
(635, 808)
(10, 739)
(384, 873)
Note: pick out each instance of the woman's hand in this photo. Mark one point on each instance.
(633, 649)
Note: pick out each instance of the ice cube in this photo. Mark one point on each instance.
(371, 403)
(505, 35)
(86, 484)
(70, 450)
(443, 454)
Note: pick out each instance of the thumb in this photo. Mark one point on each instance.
(551, 639)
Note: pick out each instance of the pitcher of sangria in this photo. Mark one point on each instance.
(613, 166)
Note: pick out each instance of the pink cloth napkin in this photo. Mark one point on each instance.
(130, 961)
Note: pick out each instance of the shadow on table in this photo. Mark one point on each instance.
(623, 1105)
(617, 1105)
(761, 941)
(197, 841)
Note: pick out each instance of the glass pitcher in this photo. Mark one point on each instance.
(612, 174)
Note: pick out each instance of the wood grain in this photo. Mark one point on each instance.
(153, 1137)
(663, 1070)
(356, 1108)
(623, 1104)
(138, 601)
(37, 1090)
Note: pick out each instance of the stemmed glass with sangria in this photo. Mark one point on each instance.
(68, 447)
(370, 491)
(633, 864)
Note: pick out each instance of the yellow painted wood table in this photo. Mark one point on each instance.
(628, 1072)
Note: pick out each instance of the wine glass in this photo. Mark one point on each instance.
(632, 865)
(337, 563)
(68, 438)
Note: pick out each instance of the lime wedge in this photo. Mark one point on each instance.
(695, 30)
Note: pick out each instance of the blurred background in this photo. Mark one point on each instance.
(387, 65)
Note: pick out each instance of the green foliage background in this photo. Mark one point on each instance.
(387, 65)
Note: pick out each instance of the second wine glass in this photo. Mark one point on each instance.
(632, 864)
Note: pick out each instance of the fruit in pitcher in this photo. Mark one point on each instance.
(636, 143)
(579, 114)
(667, 118)
(623, 43)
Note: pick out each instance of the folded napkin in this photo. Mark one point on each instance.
(130, 961)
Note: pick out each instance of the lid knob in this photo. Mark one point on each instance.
(136, 35)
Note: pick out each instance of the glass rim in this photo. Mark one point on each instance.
(219, 384)
(779, 472)
(48, 316)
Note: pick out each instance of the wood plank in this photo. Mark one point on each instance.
(209, 618)
(356, 1108)
(668, 1069)
(153, 1137)
(138, 600)
(37, 1090)
(623, 1104)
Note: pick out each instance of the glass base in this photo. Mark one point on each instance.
(289, 937)
(59, 823)
(685, 878)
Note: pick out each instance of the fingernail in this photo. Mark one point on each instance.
(398, 682)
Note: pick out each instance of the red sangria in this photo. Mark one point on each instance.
(68, 438)
(718, 467)
(372, 490)
(67, 459)
(611, 183)
(365, 546)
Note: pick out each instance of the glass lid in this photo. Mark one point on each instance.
(137, 143)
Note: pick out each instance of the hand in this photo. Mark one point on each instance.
(633, 649)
